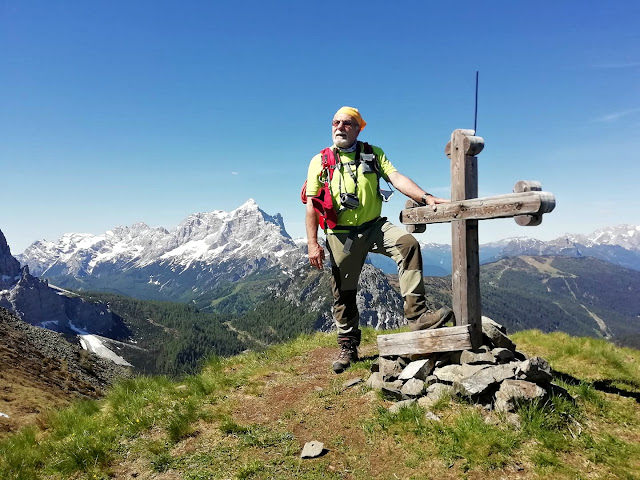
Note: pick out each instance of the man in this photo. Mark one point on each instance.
(360, 229)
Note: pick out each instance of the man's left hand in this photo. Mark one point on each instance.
(434, 201)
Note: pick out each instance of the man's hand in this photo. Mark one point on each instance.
(434, 201)
(316, 255)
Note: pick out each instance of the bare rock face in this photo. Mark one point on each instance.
(9, 266)
(38, 304)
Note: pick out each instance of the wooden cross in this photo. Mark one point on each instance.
(527, 205)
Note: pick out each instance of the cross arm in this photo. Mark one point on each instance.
(499, 206)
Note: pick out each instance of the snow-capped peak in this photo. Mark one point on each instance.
(246, 232)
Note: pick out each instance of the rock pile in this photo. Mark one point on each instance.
(496, 375)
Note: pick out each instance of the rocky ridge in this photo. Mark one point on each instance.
(35, 302)
(379, 304)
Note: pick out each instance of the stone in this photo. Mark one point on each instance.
(495, 335)
(419, 369)
(513, 391)
(468, 370)
(375, 381)
(412, 388)
(431, 379)
(449, 373)
(392, 390)
(535, 369)
(390, 368)
(432, 416)
(434, 393)
(503, 355)
(352, 382)
(375, 365)
(447, 358)
(312, 449)
(482, 380)
(478, 356)
(503, 417)
(493, 323)
(521, 355)
(396, 407)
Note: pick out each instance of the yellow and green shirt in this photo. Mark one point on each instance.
(370, 201)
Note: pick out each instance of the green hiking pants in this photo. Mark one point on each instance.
(379, 237)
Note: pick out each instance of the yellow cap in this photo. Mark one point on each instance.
(353, 112)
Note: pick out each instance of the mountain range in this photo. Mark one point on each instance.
(619, 245)
(202, 255)
(231, 263)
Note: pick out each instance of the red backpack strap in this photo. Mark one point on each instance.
(328, 161)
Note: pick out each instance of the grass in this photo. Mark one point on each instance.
(247, 417)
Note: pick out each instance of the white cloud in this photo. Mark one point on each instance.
(235, 173)
(612, 117)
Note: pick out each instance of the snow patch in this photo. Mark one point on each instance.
(93, 344)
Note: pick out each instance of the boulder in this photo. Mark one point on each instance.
(503, 355)
(513, 391)
(375, 381)
(481, 355)
(449, 373)
(391, 368)
(494, 333)
(419, 369)
(468, 370)
(482, 380)
(392, 389)
(535, 369)
(412, 388)
(448, 358)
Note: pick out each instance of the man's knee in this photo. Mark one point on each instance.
(410, 250)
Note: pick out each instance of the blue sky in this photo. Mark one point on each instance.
(117, 112)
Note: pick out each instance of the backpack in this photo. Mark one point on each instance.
(323, 201)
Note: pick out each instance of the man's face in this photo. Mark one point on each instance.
(344, 130)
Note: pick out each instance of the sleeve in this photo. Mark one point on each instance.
(385, 165)
(313, 176)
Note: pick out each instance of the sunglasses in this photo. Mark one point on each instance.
(345, 123)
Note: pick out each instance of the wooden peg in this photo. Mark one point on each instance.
(528, 186)
(413, 228)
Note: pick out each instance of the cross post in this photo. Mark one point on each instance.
(465, 273)
(527, 205)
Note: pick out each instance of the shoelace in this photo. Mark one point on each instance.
(345, 351)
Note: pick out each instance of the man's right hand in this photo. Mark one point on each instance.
(316, 255)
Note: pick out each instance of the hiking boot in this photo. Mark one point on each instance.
(431, 319)
(348, 354)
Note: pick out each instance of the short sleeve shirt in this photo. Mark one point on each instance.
(370, 206)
